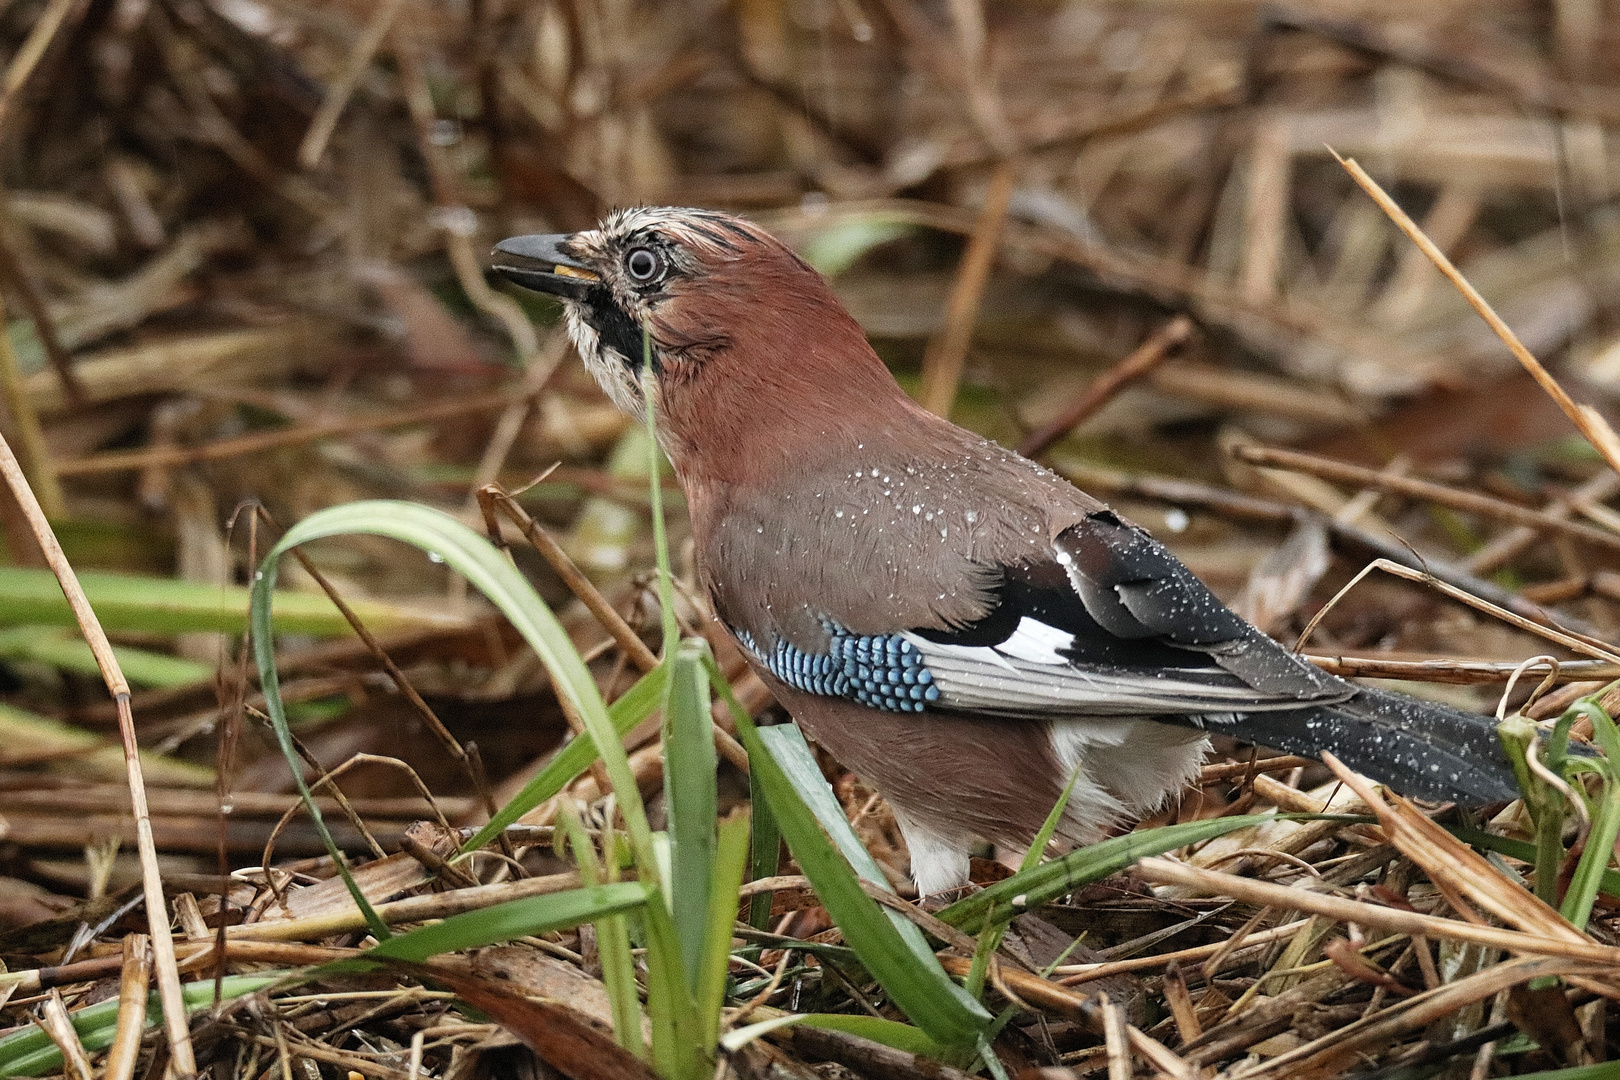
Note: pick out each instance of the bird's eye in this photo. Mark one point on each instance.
(643, 265)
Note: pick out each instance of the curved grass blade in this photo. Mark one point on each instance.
(612, 937)
(766, 854)
(514, 919)
(790, 751)
(1522, 850)
(898, 957)
(1007, 899)
(491, 573)
(679, 1051)
(1590, 870)
(70, 652)
(631, 708)
(990, 936)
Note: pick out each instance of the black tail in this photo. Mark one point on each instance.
(1419, 748)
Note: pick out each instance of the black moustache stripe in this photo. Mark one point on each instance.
(617, 329)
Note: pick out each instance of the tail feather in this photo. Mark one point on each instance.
(1418, 748)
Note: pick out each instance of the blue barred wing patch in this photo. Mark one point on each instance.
(880, 671)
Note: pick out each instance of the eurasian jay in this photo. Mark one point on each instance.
(959, 626)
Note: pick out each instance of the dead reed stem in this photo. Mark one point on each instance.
(942, 367)
(1142, 360)
(1466, 501)
(1587, 420)
(135, 976)
(175, 1020)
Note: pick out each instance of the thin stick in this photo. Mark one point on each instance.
(59, 1026)
(455, 218)
(12, 273)
(1587, 420)
(1509, 544)
(342, 88)
(169, 456)
(1466, 501)
(1037, 991)
(1461, 672)
(942, 367)
(1162, 871)
(1180, 1003)
(1074, 974)
(510, 425)
(491, 498)
(411, 909)
(33, 50)
(157, 910)
(30, 436)
(1119, 1056)
(1147, 356)
(1326, 1055)
(135, 976)
(1586, 646)
(1226, 770)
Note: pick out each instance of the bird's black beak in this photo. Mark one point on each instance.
(536, 262)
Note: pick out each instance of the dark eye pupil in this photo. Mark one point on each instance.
(642, 264)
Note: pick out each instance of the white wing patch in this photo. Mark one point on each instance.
(1037, 642)
(1028, 675)
(967, 654)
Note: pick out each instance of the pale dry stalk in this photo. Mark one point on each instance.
(134, 979)
(175, 1020)
(1587, 420)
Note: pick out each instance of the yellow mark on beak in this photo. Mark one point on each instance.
(575, 272)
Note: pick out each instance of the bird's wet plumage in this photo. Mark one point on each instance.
(957, 624)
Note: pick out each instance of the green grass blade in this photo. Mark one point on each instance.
(79, 752)
(491, 573)
(631, 708)
(1544, 802)
(69, 651)
(679, 1052)
(1005, 900)
(898, 958)
(612, 939)
(1587, 880)
(990, 936)
(264, 655)
(1522, 850)
(128, 603)
(1607, 1070)
(689, 789)
(514, 919)
(731, 859)
(890, 1033)
(619, 977)
(655, 495)
(30, 1052)
(838, 246)
(766, 855)
(790, 751)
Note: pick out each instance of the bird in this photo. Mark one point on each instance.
(959, 626)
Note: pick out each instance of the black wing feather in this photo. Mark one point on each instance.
(1146, 637)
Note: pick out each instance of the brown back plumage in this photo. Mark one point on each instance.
(800, 453)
